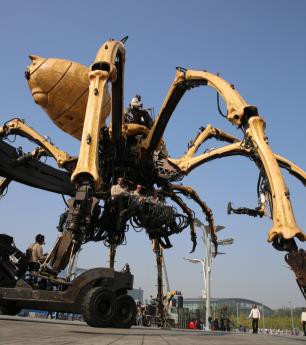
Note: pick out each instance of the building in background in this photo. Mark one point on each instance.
(233, 304)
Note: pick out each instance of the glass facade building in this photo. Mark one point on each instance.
(241, 304)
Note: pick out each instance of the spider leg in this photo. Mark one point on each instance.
(188, 164)
(112, 254)
(292, 168)
(190, 214)
(206, 133)
(107, 67)
(284, 224)
(17, 126)
(185, 80)
(26, 167)
(243, 115)
(158, 251)
(191, 193)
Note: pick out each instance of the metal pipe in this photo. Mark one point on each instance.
(207, 263)
(292, 324)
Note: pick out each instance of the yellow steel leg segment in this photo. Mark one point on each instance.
(188, 164)
(204, 135)
(236, 105)
(94, 121)
(17, 126)
(292, 168)
(283, 219)
(103, 70)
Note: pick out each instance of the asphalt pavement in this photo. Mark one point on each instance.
(30, 331)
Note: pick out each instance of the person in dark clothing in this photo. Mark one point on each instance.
(135, 113)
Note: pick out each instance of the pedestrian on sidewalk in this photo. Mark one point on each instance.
(255, 316)
(303, 320)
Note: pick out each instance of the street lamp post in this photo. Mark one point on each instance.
(209, 255)
(206, 285)
(263, 316)
(207, 262)
(207, 244)
(292, 324)
(237, 315)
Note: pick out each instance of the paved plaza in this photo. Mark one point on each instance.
(17, 330)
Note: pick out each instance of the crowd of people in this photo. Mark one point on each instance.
(121, 189)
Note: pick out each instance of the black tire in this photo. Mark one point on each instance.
(147, 321)
(126, 312)
(99, 307)
(9, 309)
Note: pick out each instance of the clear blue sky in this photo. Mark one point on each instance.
(259, 46)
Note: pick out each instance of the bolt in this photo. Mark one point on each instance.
(88, 139)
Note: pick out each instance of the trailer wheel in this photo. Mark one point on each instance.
(99, 307)
(147, 321)
(126, 312)
(9, 309)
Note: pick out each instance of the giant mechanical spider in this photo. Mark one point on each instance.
(78, 101)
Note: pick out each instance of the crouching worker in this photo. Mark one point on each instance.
(35, 253)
